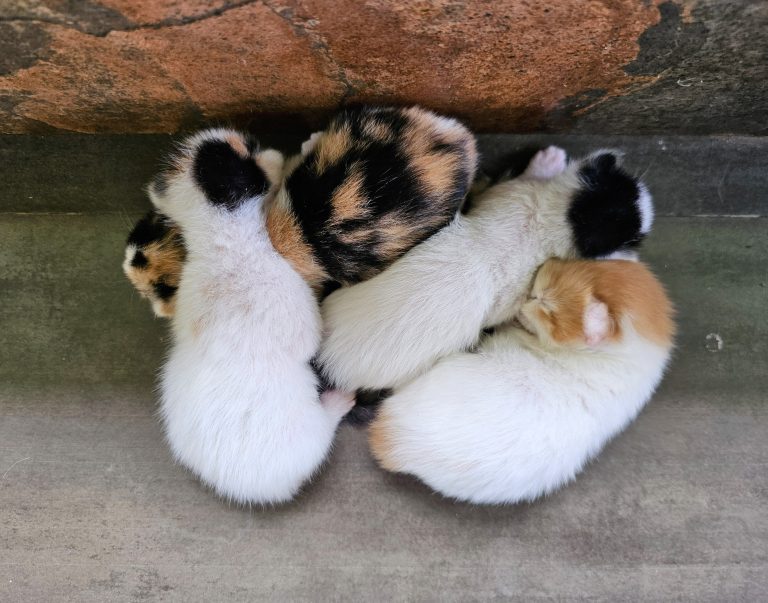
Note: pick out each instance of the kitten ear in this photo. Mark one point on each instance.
(597, 322)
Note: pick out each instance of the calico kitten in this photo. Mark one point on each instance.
(154, 256)
(473, 274)
(239, 399)
(520, 417)
(375, 183)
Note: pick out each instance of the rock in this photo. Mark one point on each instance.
(164, 65)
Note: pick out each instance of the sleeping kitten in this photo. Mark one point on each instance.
(375, 183)
(473, 274)
(240, 402)
(520, 417)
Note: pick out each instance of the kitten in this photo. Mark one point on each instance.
(154, 256)
(240, 402)
(375, 183)
(520, 417)
(473, 274)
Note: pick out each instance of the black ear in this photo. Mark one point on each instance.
(606, 211)
(228, 176)
(152, 227)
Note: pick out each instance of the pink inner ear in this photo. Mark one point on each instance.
(597, 322)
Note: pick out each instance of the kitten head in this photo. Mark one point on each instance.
(612, 210)
(228, 167)
(588, 303)
(154, 255)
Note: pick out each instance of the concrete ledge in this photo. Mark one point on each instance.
(688, 175)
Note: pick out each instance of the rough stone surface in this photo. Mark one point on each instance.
(623, 66)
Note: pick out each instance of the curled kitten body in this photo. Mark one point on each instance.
(540, 397)
(375, 183)
(473, 274)
(239, 399)
(372, 185)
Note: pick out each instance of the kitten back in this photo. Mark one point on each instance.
(375, 183)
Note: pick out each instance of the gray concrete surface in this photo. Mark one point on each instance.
(689, 175)
(92, 507)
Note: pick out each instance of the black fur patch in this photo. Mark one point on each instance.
(328, 288)
(150, 228)
(139, 260)
(604, 214)
(163, 290)
(226, 178)
(367, 403)
(389, 184)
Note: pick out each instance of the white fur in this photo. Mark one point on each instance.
(239, 400)
(645, 206)
(438, 297)
(516, 420)
(547, 164)
(597, 322)
(622, 254)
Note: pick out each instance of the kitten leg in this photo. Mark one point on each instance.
(547, 163)
(612, 210)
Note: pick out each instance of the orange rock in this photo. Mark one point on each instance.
(161, 65)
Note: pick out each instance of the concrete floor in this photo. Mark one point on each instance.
(93, 509)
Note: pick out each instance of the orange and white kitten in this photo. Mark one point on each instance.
(520, 416)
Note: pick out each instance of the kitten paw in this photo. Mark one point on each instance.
(547, 163)
(309, 145)
(337, 402)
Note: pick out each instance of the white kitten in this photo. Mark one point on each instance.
(473, 274)
(240, 401)
(521, 416)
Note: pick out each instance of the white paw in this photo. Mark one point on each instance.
(337, 402)
(308, 145)
(547, 163)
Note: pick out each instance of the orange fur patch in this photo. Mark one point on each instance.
(355, 237)
(380, 442)
(165, 260)
(378, 131)
(438, 169)
(348, 201)
(286, 237)
(331, 146)
(396, 236)
(238, 145)
(628, 289)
